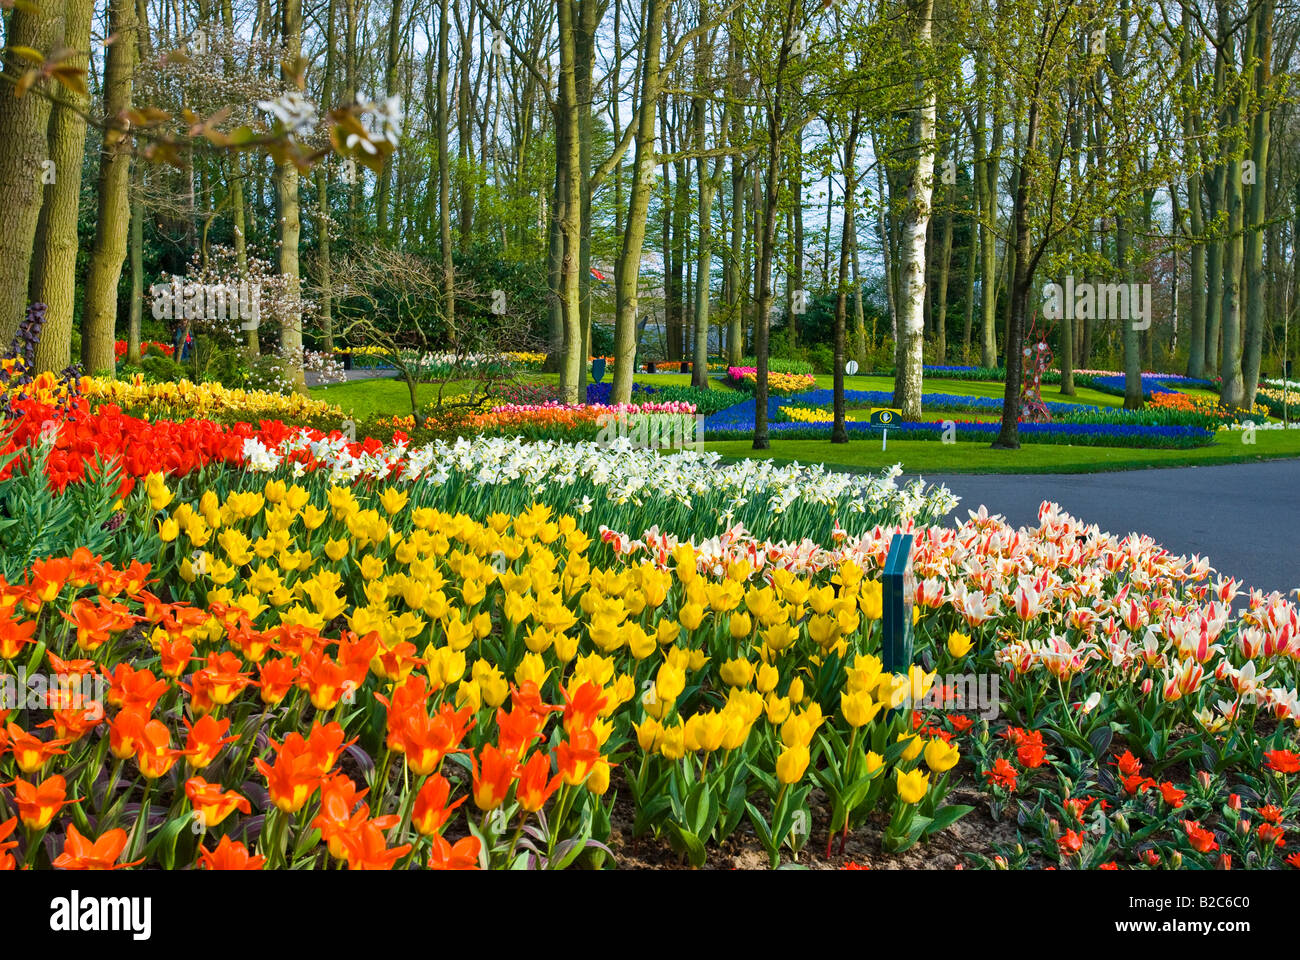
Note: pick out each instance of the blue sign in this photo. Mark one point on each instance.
(897, 588)
(598, 369)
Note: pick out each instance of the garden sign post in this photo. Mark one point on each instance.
(897, 589)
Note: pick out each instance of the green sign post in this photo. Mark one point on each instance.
(897, 595)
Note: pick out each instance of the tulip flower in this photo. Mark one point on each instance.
(494, 772)
(912, 785)
(431, 810)
(6, 858)
(211, 804)
(941, 756)
(82, 854)
(464, 855)
(229, 855)
(791, 764)
(37, 805)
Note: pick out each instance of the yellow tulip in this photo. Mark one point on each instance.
(791, 764)
(736, 673)
(912, 785)
(858, 708)
(914, 746)
(768, 677)
(940, 755)
(776, 708)
(740, 626)
(959, 644)
(691, 615)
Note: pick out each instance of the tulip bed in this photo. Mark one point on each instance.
(311, 652)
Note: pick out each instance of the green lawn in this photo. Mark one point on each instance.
(929, 456)
(376, 398)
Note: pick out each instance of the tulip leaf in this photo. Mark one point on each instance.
(1100, 740)
(946, 817)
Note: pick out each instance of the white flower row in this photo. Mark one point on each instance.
(621, 471)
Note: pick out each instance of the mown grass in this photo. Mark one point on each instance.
(930, 456)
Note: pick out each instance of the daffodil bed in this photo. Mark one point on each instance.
(301, 652)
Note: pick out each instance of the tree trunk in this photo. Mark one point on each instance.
(23, 146)
(1256, 303)
(916, 220)
(286, 188)
(627, 271)
(54, 260)
(570, 212)
(839, 432)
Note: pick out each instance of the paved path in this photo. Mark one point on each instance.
(1245, 517)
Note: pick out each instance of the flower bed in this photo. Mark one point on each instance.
(166, 349)
(1107, 430)
(186, 399)
(746, 378)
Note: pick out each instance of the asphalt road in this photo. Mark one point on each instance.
(1245, 517)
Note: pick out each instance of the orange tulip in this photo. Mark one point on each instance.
(517, 731)
(6, 858)
(217, 683)
(577, 756)
(14, 635)
(494, 771)
(293, 778)
(339, 795)
(37, 805)
(229, 855)
(32, 753)
(426, 740)
(367, 848)
(92, 624)
(131, 688)
(583, 707)
(125, 732)
(276, 677)
(212, 804)
(534, 788)
(154, 754)
(409, 698)
(82, 854)
(176, 656)
(462, 856)
(205, 740)
(431, 809)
